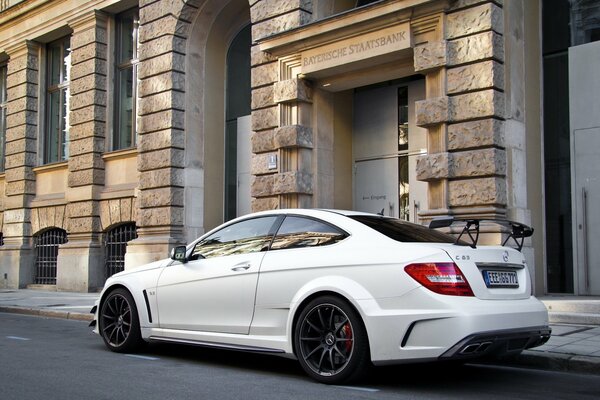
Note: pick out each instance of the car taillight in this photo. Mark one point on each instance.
(442, 278)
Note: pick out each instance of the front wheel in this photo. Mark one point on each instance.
(331, 341)
(119, 324)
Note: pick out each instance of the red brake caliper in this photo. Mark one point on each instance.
(348, 335)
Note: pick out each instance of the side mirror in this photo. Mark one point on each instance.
(178, 254)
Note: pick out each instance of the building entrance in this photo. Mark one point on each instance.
(587, 204)
(584, 86)
(385, 143)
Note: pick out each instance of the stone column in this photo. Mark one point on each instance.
(521, 180)
(160, 127)
(464, 114)
(281, 114)
(16, 256)
(80, 264)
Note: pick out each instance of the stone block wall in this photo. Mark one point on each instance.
(281, 121)
(88, 119)
(466, 164)
(117, 211)
(159, 212)
(21, 143)
(16, 258)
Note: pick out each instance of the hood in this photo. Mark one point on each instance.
(145, 267)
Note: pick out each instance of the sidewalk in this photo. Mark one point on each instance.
(572, 348)
(48, 304)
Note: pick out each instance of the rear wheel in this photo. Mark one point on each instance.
(331, 342)
(119, 324)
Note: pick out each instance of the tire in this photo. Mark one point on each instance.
(331, 342)
(119, 324)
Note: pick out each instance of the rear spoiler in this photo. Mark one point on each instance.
(516, 230)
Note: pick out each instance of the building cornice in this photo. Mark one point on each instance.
(349, 24)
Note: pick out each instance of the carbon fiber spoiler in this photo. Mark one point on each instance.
(515, 230)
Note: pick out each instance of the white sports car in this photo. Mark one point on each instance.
(338, 290)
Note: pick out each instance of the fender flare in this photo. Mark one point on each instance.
(344, 287)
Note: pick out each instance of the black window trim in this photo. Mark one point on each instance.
(272, 230)
(343, 231)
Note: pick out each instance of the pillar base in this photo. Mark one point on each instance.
(80, 266)
(16, 266)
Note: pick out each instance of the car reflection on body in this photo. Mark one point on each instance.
(337, 290)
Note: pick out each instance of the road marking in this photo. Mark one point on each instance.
(360, 389)
(17, 338)
(142, 357)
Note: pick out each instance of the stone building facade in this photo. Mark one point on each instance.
(291, 104)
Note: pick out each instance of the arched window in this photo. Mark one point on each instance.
(46, 252)
(115, 244)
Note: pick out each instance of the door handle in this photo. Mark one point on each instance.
(584, 212)
(241, 267)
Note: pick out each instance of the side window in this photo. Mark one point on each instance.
(247, 236)
(306, 232)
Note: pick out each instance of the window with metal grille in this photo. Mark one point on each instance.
(46, 251)
(116, 245)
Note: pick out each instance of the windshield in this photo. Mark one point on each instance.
(403, 231)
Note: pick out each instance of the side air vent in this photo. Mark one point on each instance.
(148, 306)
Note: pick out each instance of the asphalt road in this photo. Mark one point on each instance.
(44, 358)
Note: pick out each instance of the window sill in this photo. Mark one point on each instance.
(118, 154)
(51, 167)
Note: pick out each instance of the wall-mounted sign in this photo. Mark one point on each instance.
(272, 161)
(357, 48)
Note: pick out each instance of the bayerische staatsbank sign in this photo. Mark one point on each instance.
(372, 44)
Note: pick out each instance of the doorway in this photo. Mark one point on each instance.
(584, 86)
(587, 208)
(386, 142)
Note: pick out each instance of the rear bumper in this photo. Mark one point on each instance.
(497, 343)
(423, 327)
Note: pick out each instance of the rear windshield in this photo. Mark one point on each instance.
(403, 231)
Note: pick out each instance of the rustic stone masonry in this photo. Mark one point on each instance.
(281, 113)
(464, 113)
(21, 144)
(273, 16)
(164, 28)
(81, 258)
(117, 211)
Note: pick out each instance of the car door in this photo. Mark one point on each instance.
(215, 290)
(303, 249)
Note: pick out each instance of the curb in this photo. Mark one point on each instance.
(47, 313)
(558, 362)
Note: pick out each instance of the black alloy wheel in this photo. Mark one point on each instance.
(331, 341)
(119, 324)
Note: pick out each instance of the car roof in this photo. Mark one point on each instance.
(311, 212)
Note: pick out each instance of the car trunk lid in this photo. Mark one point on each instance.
(493, 272)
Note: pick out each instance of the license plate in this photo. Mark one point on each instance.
(500, 279)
